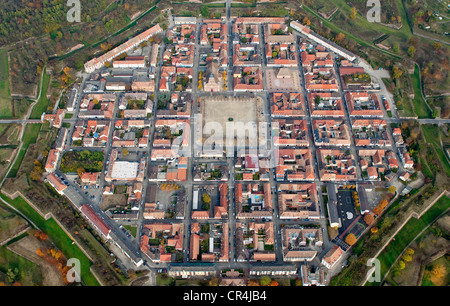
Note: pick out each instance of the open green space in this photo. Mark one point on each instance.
(5, 92)
(57, 236)
(41, 106)
(420, 106)
(411, 229)
(444, 261)
(29, 273)
(357, 29)
(29, 137)
(431, 133)
(84, 160)
(131, 229)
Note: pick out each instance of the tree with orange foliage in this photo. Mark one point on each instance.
(252, 283)
(340, 37)
(43, 236)
(369, 219)
(59, 255)
(383, 203)
(374, 230)
(438, 272)
(39, 252)
(377, 210)
(350, 239)
(273, 283)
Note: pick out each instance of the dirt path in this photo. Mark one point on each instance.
(26, 248)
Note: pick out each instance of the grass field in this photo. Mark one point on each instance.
(420, 106)
(41, 106)
(131, 229)
(431, 133)
(29, 273)
(58, 237)
(5, 93)
(29, 137)
(404, 237)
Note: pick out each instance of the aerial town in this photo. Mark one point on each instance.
(238, 210)
(230, 149)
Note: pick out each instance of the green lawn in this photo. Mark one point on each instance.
(42, 104)
(5, 93)
(29, 272)
(420, 106)
(431, 134)
(404, 237)
(131, 229)
(162, 279)
(57, 236)
(29, 137)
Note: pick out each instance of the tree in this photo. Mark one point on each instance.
(350, 239)
(39, 252)
(125, 152)
(340, 37)
(437, 46)
(383, 203)
(407, 257)
(409, 251)
(353, 14)
(369, 219)
(204, 10)
(12, 275)
(401, 264)
(435, 113)
(396, 72)
(374, 230)
(411, 51)
(214, 281)
(35, 175)
(80, 171)
(206, 198)
(438, 271)
(265, 281)
(306, 21)
(392, 189)
(273, 283)
(377, 210)
(396, 47)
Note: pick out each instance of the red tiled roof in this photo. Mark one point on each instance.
(98, 222)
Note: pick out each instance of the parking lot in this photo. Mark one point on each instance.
(346, 208)
(92, 192)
